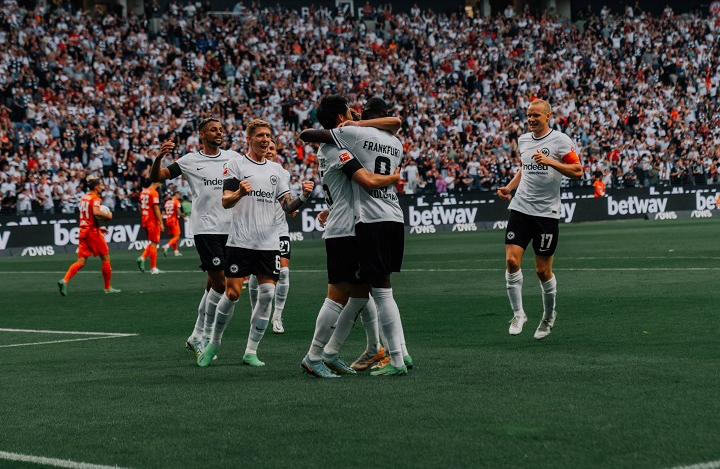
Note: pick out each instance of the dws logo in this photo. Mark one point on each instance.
(35, 251)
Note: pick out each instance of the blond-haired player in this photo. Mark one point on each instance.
(547, 155)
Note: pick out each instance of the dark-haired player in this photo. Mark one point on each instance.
(209, 222)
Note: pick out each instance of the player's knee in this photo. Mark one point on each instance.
(543, 272)
(233, 294)
(512, 263)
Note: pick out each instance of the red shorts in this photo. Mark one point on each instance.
(172, 229)
(92, 243)
(153, 232)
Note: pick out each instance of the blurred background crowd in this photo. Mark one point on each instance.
(95, 92)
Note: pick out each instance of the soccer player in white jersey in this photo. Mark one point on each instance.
(283, 284)
(210, 223)
(252, 186)
(338, 168)
(379, 228)
(547, 155)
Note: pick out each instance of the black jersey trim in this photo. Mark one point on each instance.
(543, 137)
(255, 162)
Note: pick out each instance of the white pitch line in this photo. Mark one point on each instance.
(68, 340)
(53, 462)
(41, 331)
(701, 465)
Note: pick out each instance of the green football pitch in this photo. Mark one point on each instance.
(628, 378)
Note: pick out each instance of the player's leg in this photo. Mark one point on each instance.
(517, 237)
(281, 294)
(107, 271)
(374, 352)
(381, 248)
(74, 268)
(252, 288)
(224, 313)
(211, 249)
(327, 317)
(194, 343)
(544, 246)
(265, 267)
(283, 285)
(345, 322)
(259, 320)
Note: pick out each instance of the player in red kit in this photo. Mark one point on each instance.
(173, 210)
(153, 224)
(91, 240)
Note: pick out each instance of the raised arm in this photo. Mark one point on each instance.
(233, 191)
(289, 204)
(157, 173)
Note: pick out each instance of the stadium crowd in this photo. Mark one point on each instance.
(95, 93)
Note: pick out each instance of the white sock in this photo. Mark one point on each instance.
(224, 313)
(368, 316)
(549, 292)
(252, 288)
(326, 319)
(199, 330)
(389, 315)
(514, 283)
(260, 316)
(344, 325)
(281, 292)
(211, 304)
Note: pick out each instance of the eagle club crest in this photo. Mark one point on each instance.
(273, 180)
(545, 151)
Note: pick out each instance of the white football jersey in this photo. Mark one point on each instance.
(338, 191)
(538, 193)
(204, 175)
(281, 216)
(254, 217)
(379, 152)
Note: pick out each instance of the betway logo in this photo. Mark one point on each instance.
(635, 205)
(567, 210)
(116, 234)
(705, 202)
(442, 216)
(212, 182)
(35, 251)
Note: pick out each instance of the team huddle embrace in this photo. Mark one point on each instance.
(241, 201)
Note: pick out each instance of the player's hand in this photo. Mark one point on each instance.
(162, 228)
(504, 193)
(167, 147)
(539, 158)
(245, 188)
(322, 217)
(307, 188)
(104, 230)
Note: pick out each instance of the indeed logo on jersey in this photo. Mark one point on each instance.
(212, 182)
(261, 195)
(534, 167)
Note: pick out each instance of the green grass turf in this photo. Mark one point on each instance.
(627, 379)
